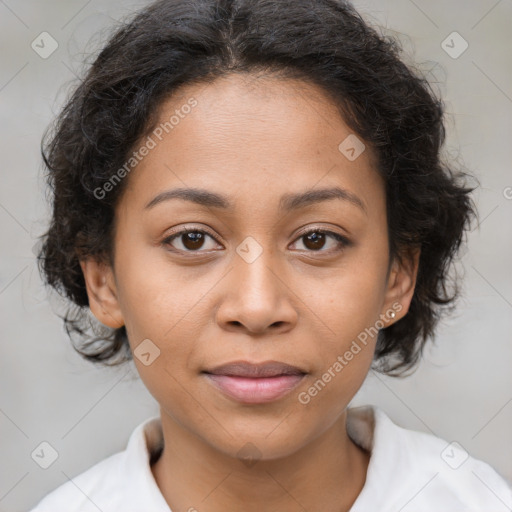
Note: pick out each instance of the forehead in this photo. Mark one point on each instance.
(248, 135)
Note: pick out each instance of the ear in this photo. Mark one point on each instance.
(102, 292)
(401, 284)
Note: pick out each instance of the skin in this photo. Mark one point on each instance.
(252, 139)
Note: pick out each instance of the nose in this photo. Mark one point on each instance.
(257, 299)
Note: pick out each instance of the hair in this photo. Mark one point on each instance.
(172, 43)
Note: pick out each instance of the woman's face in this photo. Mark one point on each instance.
(247, 283)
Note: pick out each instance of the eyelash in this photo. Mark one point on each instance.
(342, 240)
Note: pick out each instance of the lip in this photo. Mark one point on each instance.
(263, 369)
(253, 383)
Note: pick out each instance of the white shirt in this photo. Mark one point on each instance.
(408, 471)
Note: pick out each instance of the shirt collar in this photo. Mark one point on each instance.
(370, 427)
(145, 443)
(366, 426)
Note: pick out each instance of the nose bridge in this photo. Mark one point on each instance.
(256, 267)
(258, 297)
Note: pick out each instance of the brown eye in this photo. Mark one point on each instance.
(189, 240)
(314, 240)
(193, 240)
(317, 239)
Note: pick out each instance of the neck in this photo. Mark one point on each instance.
(327, 474)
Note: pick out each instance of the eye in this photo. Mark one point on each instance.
(190, 240)
(316, 239)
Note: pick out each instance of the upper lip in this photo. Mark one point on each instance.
(264, 369)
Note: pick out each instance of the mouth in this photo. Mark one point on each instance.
(255, 383)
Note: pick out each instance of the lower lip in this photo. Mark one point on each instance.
(255, 390)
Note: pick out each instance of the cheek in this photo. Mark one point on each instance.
(349, 300)
(159, 303)
(153, 293)
(344, 349)
(346, 309)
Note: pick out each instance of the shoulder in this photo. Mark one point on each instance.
(444, 474)
(123, 481)
(80, 492)
(411, 470)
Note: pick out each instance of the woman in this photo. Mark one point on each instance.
(250, 196)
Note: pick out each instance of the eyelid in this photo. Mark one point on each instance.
(190, 228)
(320, 229)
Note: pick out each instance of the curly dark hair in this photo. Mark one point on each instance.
(170, 43)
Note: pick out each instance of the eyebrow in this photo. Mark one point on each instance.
(288, 202)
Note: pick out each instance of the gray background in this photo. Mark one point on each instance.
(462, 391)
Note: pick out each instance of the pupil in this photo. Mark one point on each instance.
(317, 240)
(193, 240)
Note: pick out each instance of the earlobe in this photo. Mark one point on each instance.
(102, 292)
(402, 283)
